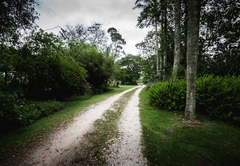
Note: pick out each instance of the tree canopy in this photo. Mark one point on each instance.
(16, 16)
(130, 69)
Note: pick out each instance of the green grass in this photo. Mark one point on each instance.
(169, 140)
(12, 142)
(97, 142)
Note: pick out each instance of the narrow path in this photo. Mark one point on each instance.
(62, 145)
(127, 149)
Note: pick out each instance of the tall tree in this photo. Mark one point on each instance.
(165, 31)
(177, 39)
(192, 56)
(150, 16)
(117, 41)
(156, 13)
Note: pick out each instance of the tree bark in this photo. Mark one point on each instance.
(165, 50)
(6, 77)
(185, 2)
(156, 49)
(176, 40)
(192, 54)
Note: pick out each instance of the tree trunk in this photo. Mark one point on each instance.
(176, 40)
(6, 77)
(165, 50)
(192, 54)
(185, 2)
(156, 49)
(161, 56)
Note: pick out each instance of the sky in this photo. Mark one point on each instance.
(110, 13)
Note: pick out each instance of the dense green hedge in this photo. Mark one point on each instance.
(217, 97)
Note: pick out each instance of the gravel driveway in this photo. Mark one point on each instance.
(63, 144)
(127, 148)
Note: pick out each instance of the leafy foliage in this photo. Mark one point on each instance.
(43, 68)
(168, 95)
(98, 67)
(130, 69)
(15, 111)
(14, 17)
(217, 97)
(219, 43)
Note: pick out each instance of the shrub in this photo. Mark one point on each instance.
(15, 111)
(167, 95)
(217, 97)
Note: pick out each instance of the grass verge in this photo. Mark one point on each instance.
(11, 143)
(170, 140)
(97, 143)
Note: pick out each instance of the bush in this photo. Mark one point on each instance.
(15, 111)
(167, 95)
(217, 97)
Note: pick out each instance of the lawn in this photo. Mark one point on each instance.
(170, 140)
(12, 142)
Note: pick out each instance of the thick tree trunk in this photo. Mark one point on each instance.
(192, 54)
(176, 40)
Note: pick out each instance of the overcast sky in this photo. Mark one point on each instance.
(111, 13)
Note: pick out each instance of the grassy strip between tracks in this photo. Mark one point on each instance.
(12, 142)
(171, 140)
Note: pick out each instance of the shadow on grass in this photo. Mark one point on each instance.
(170, 140)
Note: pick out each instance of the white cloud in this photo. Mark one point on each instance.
(111, 13)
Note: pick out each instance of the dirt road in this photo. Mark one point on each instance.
(63, 144)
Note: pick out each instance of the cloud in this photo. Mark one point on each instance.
(42, 8)
(111, 13)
